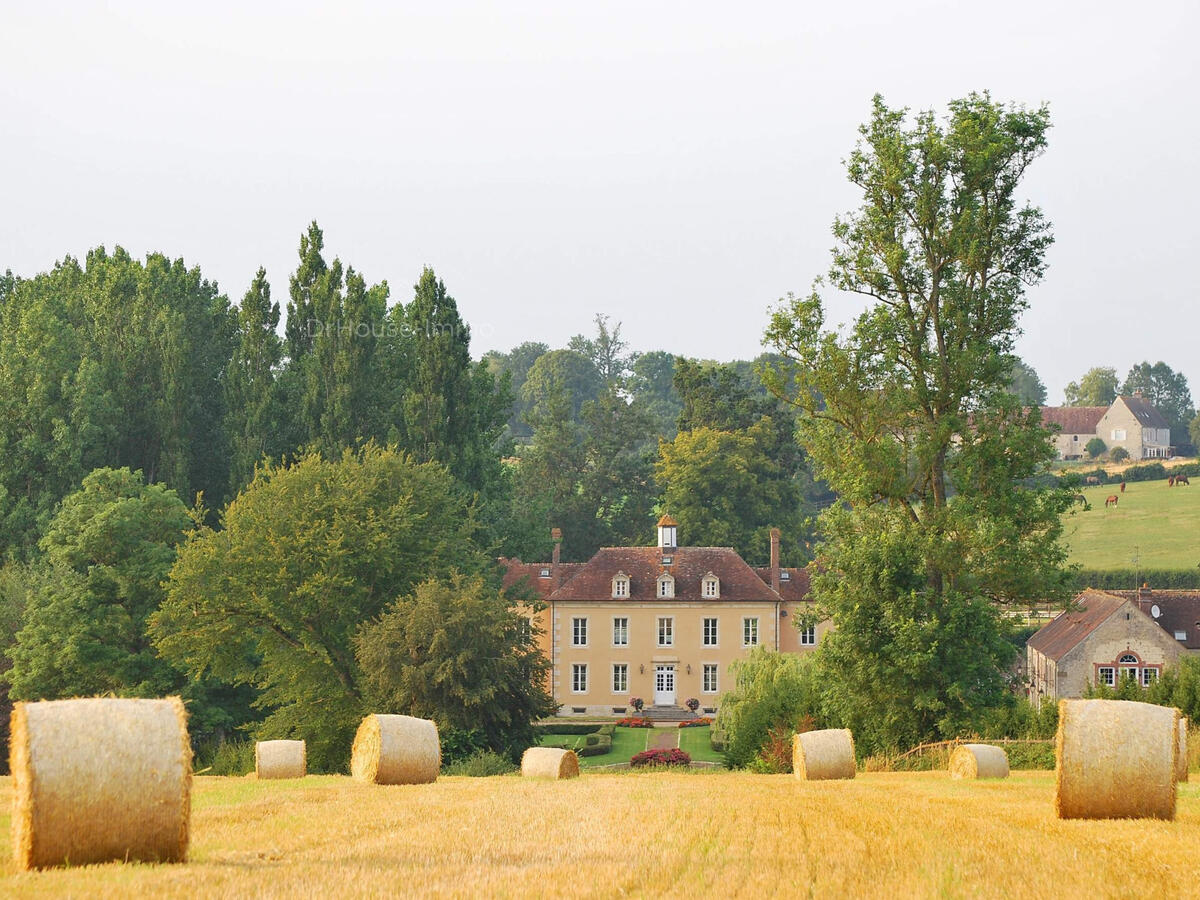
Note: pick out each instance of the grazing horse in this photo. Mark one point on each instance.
(1182, 479)
(1081, 500)
(1171, 481)
(1093, 479)
(1111, 501)
(1122, 486)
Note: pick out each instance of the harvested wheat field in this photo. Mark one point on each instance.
(652, 834)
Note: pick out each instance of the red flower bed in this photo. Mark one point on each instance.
(635, 722)
(660, 757)
(696, 723)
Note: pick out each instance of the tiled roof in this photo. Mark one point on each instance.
(644, 565)
(1074, 419)
(1178, 611)
(1071, 626)
(666, 520)
(515, 571)
(1145, 412)
(794, 587)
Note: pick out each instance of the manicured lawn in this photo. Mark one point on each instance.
(645, 834)
(1158, 524)
(626, 742)
(697, 742)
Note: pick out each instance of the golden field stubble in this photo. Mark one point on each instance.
(656, 834)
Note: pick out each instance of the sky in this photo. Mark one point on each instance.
(675, 166)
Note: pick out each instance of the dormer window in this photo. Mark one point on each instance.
(710, 587)
(785, 575)
(666, 586)
(620, 585)
(666, 533)
(545, 573)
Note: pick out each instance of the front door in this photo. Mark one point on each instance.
(664, 685)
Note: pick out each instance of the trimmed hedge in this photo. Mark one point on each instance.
(595, 745)
(610, 729)
(1128, 579)
(566, 728)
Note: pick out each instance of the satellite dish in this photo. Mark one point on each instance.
(1155, 611)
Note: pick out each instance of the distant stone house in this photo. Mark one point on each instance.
(1130, 422)
(1109, 635)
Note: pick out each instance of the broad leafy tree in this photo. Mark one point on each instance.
(516, 364)
(305, 555)
(907, 414)
(1026, 385)
(607, 351)
(1097, 387)
(459, 652)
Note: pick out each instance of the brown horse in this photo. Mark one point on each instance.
(1111, 501)
(1182, 479)
(1171, 481)
(1122, 487)
(1093, 479)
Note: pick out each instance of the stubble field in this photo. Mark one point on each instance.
(652, 835)
(1158, 525)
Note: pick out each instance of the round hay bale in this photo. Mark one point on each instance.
(978, 761)
(1181, 756)
(100, 779)
(396, 750)
(549, 762)
(823, 755)
(1115, 760)
(280, 759)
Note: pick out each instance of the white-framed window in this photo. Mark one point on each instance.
(579, 625)
(708, 683)
(620, 631)
(545, 573)
(620, 585)
(808, 636)
(1149, 676)
(666, 585)
(666, 631)
(1181, 635)
(1107, 675)
(579, 678)
(785, 575)
(710, 632)
(710, 587)
(1118, 434)
(620, 681)
(750, 631)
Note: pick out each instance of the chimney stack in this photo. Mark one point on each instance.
(775, 536)
(556, 536)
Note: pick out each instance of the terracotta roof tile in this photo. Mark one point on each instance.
(1074, 419)
(644, 565)
(794, 587)
(515, 571)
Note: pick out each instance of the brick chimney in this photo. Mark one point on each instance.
(556, 536)
(775, 537)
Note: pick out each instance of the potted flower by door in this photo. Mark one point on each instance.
(693, 704)
(637, 703)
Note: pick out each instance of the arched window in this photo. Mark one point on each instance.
(666, 585)
(620, 585)
(710, 587)
(1128, 658)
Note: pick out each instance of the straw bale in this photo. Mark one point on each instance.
(1181, 757)
(100, 779)
(823, 755)
(1115, 760)
(280, 759)
(392, 749)
(549, 762)
(978, 761)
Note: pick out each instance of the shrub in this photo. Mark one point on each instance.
(480, 765)
(637, 703)
(1119, 454)
(460, 743)
(696, 723)
(693, 704)
(1095, 447)
(660, 757)
(567, 728)
(234, 757)
(595, 745)
(1145, 472)
(609, 729)
(772, 689)
(635, 722)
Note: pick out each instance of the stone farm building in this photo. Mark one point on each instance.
(1130, 422)
(663, 623)
(1108, 635)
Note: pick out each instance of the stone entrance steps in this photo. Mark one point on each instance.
(667, 713)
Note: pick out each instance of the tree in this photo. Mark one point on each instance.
(458, 651)
(1168, 391)
(516, 364)
(1026, 385)
(771, 690)
(557, 374)
(1097, 387)
(908, 415)
(717, 396)
(652, 383)
(725, 490)
(308, 553)
(253, 413)
(84, 631)
(1095, 447)
(606, 351)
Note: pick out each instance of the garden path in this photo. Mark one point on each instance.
(664, 739)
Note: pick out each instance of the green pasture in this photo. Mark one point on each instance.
(1156, 524)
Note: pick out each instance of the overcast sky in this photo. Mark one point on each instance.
(676, 166)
